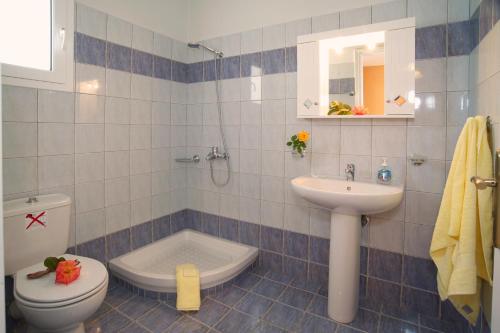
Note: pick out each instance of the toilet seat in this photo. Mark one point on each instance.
(45, 293)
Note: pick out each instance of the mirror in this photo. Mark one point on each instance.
(366, 71)
(356, 77)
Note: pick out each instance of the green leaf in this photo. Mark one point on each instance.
(52, 262)
(294, 137)
(289, 143)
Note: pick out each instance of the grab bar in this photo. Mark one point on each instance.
(194, 159)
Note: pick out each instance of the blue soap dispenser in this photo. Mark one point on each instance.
(384, 175)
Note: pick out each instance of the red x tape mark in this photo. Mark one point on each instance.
(35, 219)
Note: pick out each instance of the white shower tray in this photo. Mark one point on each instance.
(152, 267)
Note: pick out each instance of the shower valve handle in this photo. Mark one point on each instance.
(214, 154)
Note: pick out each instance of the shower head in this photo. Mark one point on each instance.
(214, 51)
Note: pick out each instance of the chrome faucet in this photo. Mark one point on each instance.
(214, 154)
(349, 172)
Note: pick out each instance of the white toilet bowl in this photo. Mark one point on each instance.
(50, 307)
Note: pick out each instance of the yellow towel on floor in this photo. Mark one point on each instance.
(188, 287)
(462, 241)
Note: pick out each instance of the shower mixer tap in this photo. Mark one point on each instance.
(214, 154)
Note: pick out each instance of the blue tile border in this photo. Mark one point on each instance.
(452, 39)
(430, 42)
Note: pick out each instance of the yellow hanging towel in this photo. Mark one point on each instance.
(188, 287)
(462, 242)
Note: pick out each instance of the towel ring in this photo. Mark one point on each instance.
(481, 183)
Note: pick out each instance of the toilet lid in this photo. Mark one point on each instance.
(45, 290)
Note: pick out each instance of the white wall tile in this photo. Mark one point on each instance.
(117, 83)
(297, 219)
(457, 108)
(142, 39)
(325, 165)
(89, 138)
(273, 163)
(273, 37)
(56, 171)
(296, 28)
(141, 87)
(421, 207)
(117, 111)
(90, 79)
(162, 46)
(430, 109)
(160, 90)
(117, 137)
(117, 218)
(458, 73)
(90, 225)
(56, 106)
(90, 21)
(19, 139)
(89, 167)
(428, 177)
(117, 191)
(231, 45)
(272, 214)
(388, 11)
(428, 12)
(355, 17)
(89, 196)
(140, 137)
(386, 235)
(119, 31)
(56, 139)
(140, 161)
(140, 112)
(428, 141)
(325, 22)
(19, 104)
(418, 240)
(274, 86)
(356, 140)
(325, 139)
(430, 75)
(89, 109)
(389, 141)
(117, 164)
(251, 88)
(140, 186)
(251, 41)
(141, 211)
(20, 175)
(458, 10)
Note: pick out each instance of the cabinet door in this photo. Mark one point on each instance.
(308, 80)
(400, 71)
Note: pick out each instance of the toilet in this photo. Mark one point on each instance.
(36, 228)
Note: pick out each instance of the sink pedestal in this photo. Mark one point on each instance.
(343, 275)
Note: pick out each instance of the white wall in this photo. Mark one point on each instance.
(214, 18)
(169, 17)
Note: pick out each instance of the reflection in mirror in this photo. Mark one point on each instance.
(356, 79)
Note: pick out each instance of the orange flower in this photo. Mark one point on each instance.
(303, 136)
(67, 271)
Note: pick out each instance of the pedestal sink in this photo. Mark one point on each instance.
(347, 201)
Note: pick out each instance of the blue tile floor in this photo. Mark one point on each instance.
(257, 301)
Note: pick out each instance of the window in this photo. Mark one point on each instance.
(36, 43)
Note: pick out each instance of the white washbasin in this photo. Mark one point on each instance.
(345, 197)
(347, 201)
